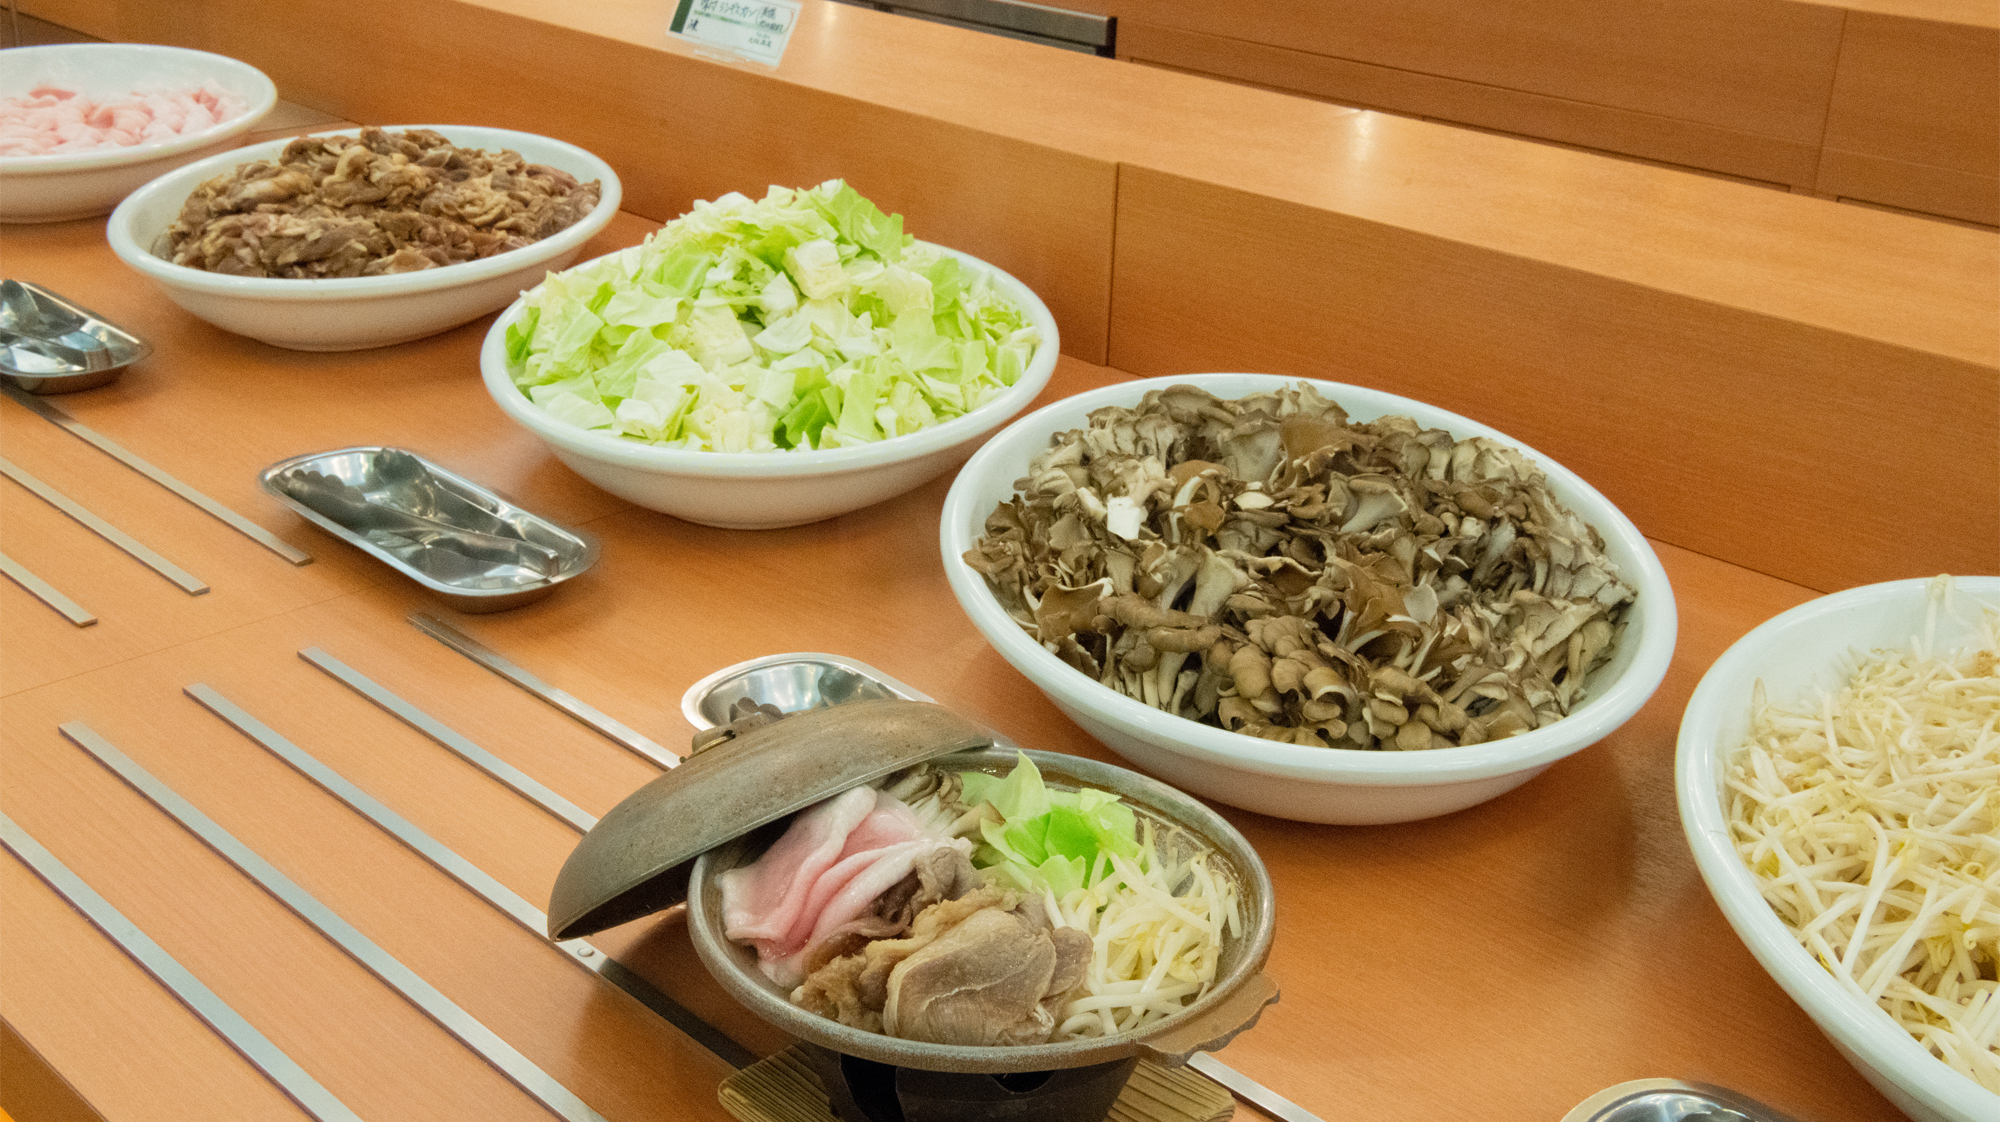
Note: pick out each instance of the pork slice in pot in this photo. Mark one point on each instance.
(995, 979)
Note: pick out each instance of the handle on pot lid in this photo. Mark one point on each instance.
(1212, 1028)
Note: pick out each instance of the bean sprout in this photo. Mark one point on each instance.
(1871, 817)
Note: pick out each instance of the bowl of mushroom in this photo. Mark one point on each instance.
(1312, 600)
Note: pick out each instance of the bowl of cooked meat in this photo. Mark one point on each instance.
(1312, 600)
(83, 124)
(345, 240)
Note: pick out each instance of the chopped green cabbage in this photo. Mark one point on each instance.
(805, 320)
(1057, 840)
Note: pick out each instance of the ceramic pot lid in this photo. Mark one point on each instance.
(636, 860)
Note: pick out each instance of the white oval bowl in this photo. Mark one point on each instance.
(353, 313)
(1333, 785)
(1792, 652)
(59, 187)
(768, 490)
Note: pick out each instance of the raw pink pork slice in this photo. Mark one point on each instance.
(51, 121)
(762, 901)
(826, 870)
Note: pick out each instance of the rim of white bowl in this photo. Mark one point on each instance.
(261, 95)
(1597, 717)
(500, 386)
(1856, 1023)
(182, 181)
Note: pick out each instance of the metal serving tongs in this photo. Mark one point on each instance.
(345, 504)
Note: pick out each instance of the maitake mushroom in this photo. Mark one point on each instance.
(1267, 566)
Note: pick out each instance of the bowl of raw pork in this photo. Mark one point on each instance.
(715, 439)
(1852, 661)
(84, 124)
(832, 845)
(316, 256)
(1353, 650)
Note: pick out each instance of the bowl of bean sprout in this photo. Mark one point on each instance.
(1837, 771)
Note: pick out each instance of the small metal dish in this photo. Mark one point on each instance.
(791, 683)
(475, 550)
(51, 345)
(1670, 1100)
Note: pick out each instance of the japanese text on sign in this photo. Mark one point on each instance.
(754, 29)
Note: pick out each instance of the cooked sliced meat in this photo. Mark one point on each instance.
(983, 967)
(998, 978)
(423, 202)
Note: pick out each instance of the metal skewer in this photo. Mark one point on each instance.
(55, 416)
(240, 1034)
(45, 592)
(588, 715)
(1249, 1090)
(444, 736)
(447, 1013)
(105, 530)
(466, 873)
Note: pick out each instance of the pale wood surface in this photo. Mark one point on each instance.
(1751, 88)
(1542, 116)
(1757, 66)
(1972, 13)
(1504, 962)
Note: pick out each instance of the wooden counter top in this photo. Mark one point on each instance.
(1786, 394)
(1503, 962)
(1708, 353)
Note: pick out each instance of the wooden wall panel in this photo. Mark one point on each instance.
(1715, 429)
(1907, 117)
(1757, 66)
(1345, 81)
(1915, 117)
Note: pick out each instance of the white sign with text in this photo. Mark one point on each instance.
(754, 29)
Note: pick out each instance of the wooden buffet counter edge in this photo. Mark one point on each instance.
(1708, 353)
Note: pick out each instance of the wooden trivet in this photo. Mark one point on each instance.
(782, 1088)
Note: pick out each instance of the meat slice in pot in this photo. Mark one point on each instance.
(992, 980)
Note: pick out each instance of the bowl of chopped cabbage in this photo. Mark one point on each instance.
(1858, 870)
(767, 363)
(1353, 693)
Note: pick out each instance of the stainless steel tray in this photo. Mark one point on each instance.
(470, 547)
(49, 344)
